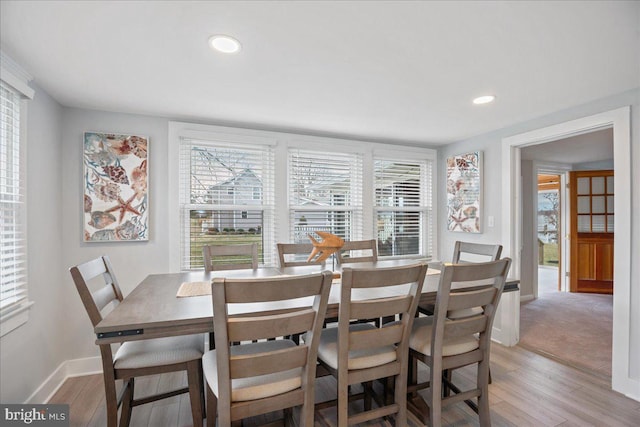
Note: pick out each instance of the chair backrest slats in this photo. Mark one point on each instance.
(230, 257)
(487, 298)
(404, 304)
(92, 269)
(480, 252)
(381, 277)
(103, 296)
(109, 291)
(295, 254)
(465, 326)
(353, 251)
(380, 307)
(266, 363)
(252, 328)
(372, 338)
(261, 290)
(468, 299)
(472, 273)
(303, 317)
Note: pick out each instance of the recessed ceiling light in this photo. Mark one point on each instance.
(224, 44)
(485, 99)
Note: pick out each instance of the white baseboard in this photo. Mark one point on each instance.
(525, 298)
(67, 369)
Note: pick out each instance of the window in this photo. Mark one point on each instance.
(403, 214)
(226, 197)
(13, 246)
(231, 185)
(325, 194)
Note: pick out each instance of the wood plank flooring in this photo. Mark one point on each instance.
(527, 390)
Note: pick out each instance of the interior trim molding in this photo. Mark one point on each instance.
(67, 369)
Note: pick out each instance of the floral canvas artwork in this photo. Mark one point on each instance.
(464, 187)
(115, 187)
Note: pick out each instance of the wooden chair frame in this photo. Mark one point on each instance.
(358, 245)
(491, 251)
(237, 257)
(285, 249)
(486, 296)
(396, 334)
(488, 250)
(266, 325)
(94, 303)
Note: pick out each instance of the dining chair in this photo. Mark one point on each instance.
(466, 252)
(259, 377)
(361, 353)
(137, 358)
(230, 257)
(295, 254)
(443, 343)
(358, 251)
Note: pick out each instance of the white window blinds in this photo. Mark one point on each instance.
(226, 197)
(325, 194)
(13, 247)
(403, 207)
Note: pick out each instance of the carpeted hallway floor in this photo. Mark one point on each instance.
(570, 327)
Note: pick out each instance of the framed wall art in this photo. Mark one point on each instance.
(464, 192)
(116, 206)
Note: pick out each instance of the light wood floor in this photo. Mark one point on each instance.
(527, 390)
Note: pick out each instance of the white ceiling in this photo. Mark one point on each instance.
(585, 148)
(381, 71)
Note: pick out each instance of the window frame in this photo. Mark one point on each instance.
(282, 143)
(18, 80)
(426, 203)
(355, 203)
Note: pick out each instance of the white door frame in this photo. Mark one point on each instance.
(620, 120)
(560, 170)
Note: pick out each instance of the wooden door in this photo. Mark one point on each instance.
(592, 220)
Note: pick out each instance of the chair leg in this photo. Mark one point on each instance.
(110, 392)
(483, 400)
(307, 412)
(194, 378)
(448, 375)
(287, 415)
(400, 397)
(212, 407)
(367, 388)
(343, 400)
(435, 405)
(127, 399)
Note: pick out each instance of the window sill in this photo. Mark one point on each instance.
(15, 319)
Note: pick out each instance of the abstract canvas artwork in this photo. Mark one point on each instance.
(115, 187)
(464, 190)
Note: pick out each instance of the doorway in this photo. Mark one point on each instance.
(575, 329)
(549, 232)
(619, 119)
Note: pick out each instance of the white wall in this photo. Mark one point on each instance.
(132, 261)
(491, 145)
(33, 351)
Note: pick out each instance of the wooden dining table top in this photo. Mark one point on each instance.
(153, 310)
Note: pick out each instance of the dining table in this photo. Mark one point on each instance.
(153, 309)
